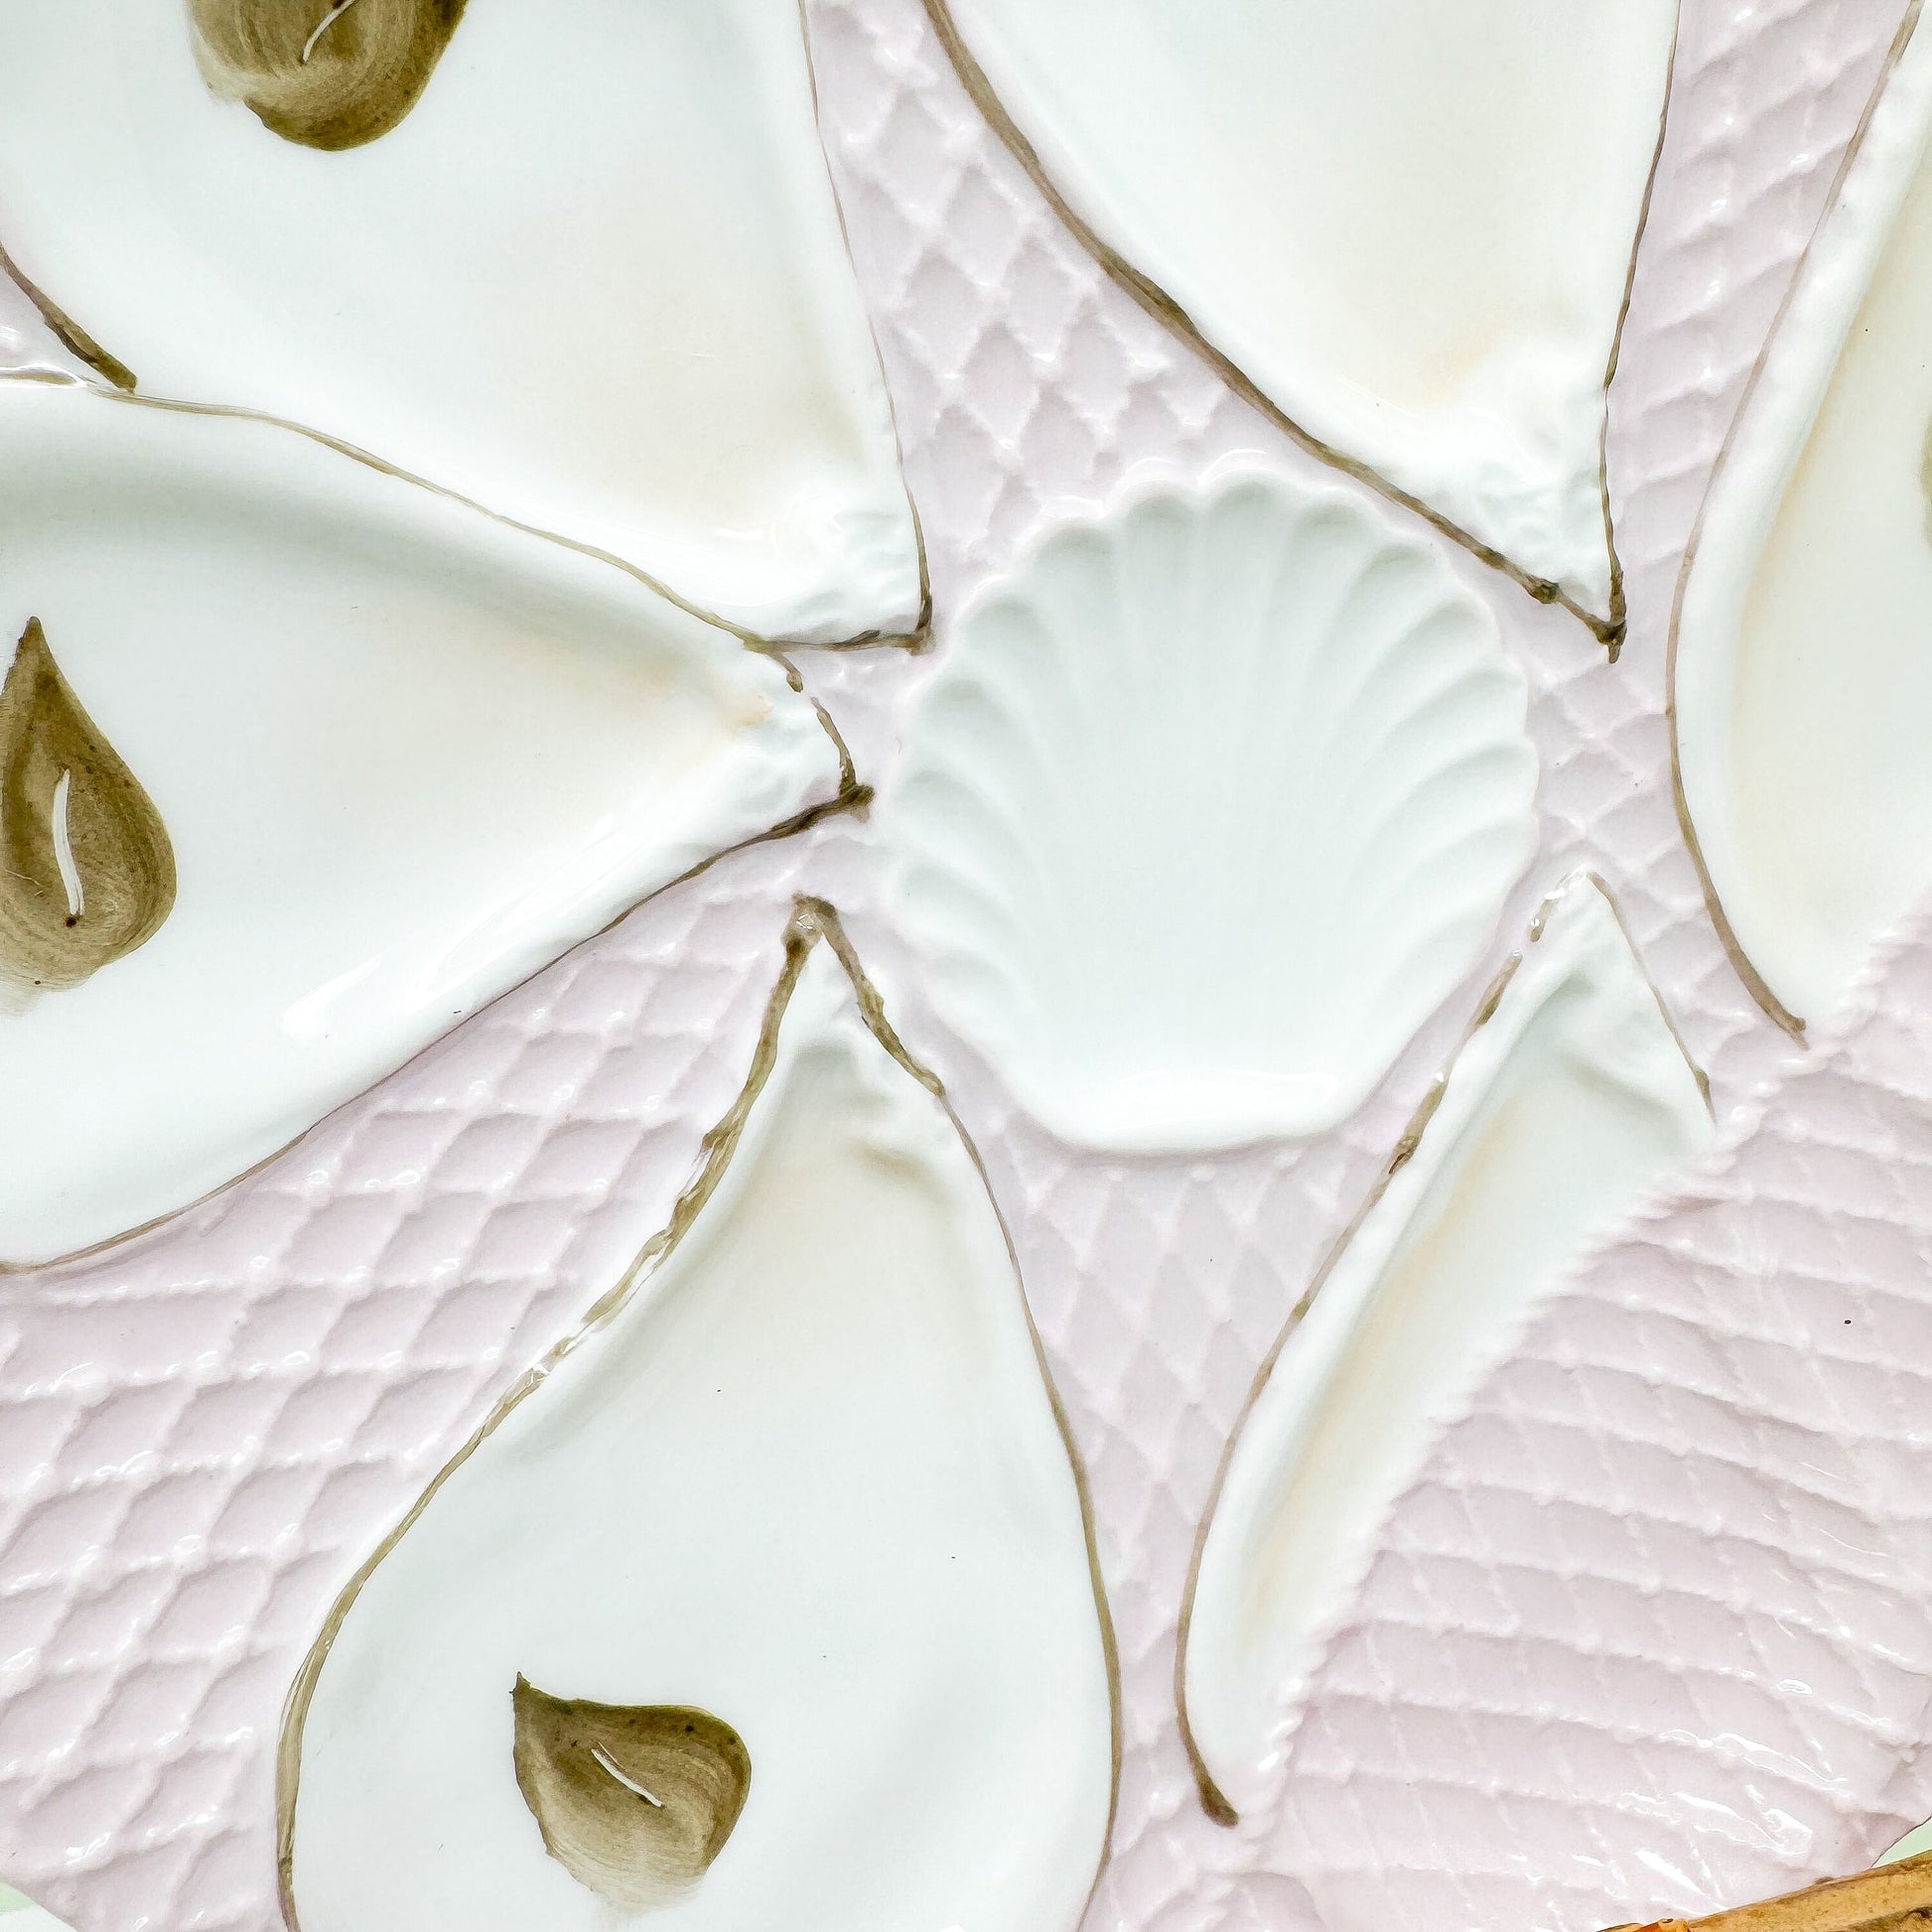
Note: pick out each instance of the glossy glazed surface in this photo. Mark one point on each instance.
(1803, 683)
(403, 756)
(1668, 1462)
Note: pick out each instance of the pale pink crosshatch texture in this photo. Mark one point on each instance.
(1563, 1696)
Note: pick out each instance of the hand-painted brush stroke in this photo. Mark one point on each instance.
(324, 74)
(87, 870)
(633, 1801)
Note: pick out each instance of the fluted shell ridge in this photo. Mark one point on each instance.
(1213, 799)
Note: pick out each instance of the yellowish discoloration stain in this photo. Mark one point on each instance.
(324, 74)
(633, 1801)
(87, 870)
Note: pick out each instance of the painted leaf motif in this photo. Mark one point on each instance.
(87, 872)
(633, 1802)
(590, 276)
(330, 80)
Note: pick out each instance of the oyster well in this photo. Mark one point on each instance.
(302, 764)
(1570, 1099)
(1406, 225)
(1801, 683)
(793, 1526)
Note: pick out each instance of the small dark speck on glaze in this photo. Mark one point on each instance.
(319, 72)
(635, 1801)
(66, 795)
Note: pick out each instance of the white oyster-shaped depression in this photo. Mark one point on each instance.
(1212, 802)
(1409, 224)
(1571, 1097)
(593, 277)
(1802, 681)
(805, 1478)
(399, 754)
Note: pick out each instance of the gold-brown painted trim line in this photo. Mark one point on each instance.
(1664, 1012)
(813, 920)
(1609, 629)
(1213, 1800)
(70, 334)
(233, 412)
(1754, 980)
(1620, 609)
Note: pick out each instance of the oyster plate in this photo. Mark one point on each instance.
(1646, 1634)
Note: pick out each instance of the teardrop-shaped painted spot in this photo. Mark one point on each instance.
(324, 74)
(633, 1801)
(87, 870)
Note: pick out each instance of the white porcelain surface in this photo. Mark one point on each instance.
(808, 1477)
(593, 279)
(1212, 802)
(404, 754)
(1410, 222)
(1568, 1102)
(1803, 684)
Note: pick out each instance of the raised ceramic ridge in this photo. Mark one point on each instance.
(593, 407)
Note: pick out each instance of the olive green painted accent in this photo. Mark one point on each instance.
(324, 74)
(87, 870)
(633, 1801)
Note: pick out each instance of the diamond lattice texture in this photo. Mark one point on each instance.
(1707, 1690)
